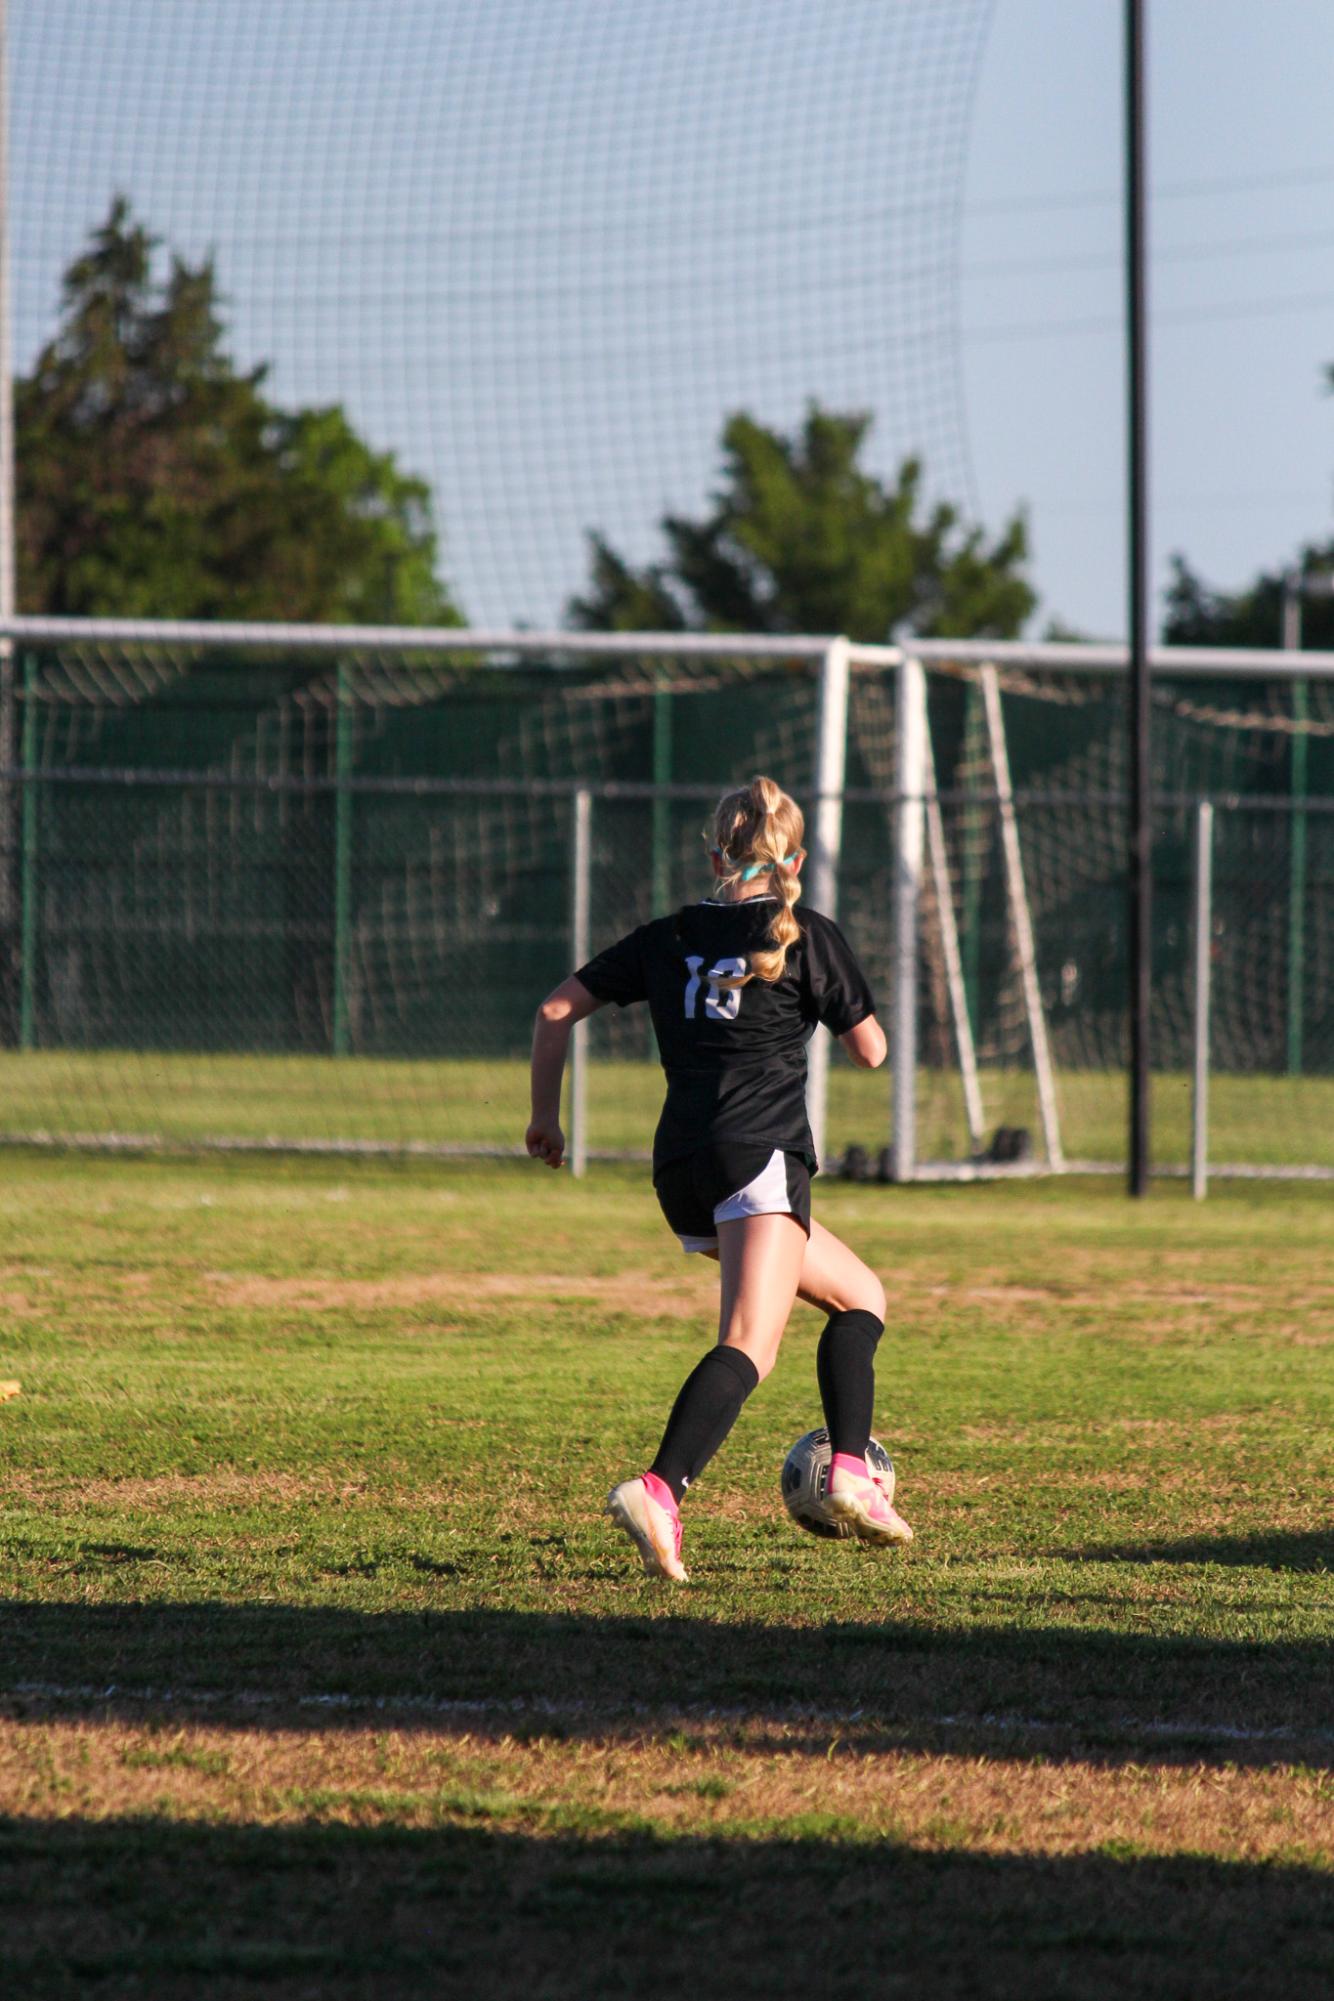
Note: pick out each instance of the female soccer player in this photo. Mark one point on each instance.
(736, 985)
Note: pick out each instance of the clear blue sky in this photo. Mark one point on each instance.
(539, 247)
(1241, 289)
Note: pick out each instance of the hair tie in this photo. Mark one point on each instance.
(748, 874)
(762, 868)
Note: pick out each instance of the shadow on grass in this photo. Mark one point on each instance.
(1054, 1692)
(152, 1906)
(1311, 1550)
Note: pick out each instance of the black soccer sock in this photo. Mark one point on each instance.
(707, 1406)
(845, 1367)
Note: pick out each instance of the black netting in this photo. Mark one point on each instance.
(314, 900)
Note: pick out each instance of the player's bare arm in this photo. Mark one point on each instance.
(865, 1043)
(563, 1007)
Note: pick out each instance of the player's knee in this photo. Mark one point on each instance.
(871, 1294)
(857, 1292)
(759, 1350)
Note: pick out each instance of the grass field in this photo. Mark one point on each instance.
(321, 1675)
(184, 1098)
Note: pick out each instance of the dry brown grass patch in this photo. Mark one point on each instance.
(646, 1294)
(226, 1488)
(713, 1780)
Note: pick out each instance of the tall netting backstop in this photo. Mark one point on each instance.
(268, 890)
(539, 249)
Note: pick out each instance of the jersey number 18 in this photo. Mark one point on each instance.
(720, 1002)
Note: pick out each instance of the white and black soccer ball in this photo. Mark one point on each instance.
(805, 1482)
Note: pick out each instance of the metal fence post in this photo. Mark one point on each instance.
(826, 843)
(342, 856)
(1203, 915)
(28, 865)
(662, 806)
(1297, 883)
(9, 798)
(909, 787)
(580, 907)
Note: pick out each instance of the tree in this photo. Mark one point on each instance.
(802, 539)
(1200, 616)
(155, 478)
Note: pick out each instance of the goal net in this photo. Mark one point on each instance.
(310, 895)
(1025, 902)
(537, 249)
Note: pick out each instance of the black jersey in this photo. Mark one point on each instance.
(735, 1057)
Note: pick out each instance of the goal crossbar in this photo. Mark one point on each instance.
(1209, 662)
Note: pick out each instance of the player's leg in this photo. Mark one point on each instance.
(760, 1257)
(763, 1259)
(648, 1506)
(760, 1261)
(835, 1279)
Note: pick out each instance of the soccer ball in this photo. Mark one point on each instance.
(805, 1482)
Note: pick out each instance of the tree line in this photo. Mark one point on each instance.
(157, 479)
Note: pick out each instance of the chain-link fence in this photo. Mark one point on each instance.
(303, 901)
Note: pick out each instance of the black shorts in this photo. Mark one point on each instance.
(721, 1184)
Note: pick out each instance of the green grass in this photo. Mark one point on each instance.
(322, 1674)
(188, 1098)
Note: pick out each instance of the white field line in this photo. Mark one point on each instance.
(1132, 1727)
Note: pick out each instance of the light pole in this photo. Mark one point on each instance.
(1140, 843)
(8, 708)
(7, 606)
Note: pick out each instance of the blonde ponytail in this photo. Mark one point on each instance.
(784, 931)
(759, 828)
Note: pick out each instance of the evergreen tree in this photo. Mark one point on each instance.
(155, 479)
(802, 539)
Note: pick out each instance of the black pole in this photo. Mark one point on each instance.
(1140, 848)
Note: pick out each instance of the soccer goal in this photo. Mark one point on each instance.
(301, 887)
(1010, 1024)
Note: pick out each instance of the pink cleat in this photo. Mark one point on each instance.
(864, 1501)
(645, 1509)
